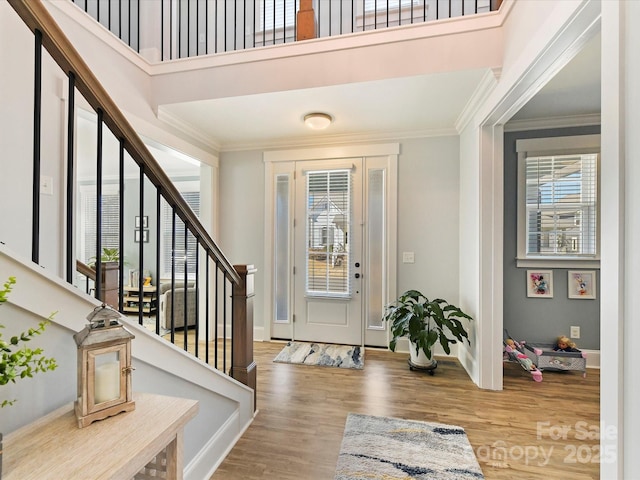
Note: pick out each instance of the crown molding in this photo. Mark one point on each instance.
(330, 140)
(187, 129)
(480, 94)
(552, 122)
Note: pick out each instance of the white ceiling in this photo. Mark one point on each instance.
(574, 91)
(398, 106)
(395, 108)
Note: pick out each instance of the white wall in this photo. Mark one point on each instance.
(428, 216)
(469, 244)
(16, 140)
(620, 271)
(241, 216)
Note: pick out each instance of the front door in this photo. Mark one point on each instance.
(328, 245)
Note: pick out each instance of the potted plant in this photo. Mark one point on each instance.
(110, 274)
(108, 255)
(425, 322)
(18, 361)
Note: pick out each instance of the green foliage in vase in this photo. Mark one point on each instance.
(19, 361)
(108, 255)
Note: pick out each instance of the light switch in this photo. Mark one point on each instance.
(46, 185)
(408, 257)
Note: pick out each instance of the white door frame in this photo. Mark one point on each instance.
(391, 150)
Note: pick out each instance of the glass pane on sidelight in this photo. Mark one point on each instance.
(281, 248)
(107, 380)
(375, 240)
(328, 220)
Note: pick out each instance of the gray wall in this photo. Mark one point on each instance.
(131, 211)
(428, 216)
(541, 319)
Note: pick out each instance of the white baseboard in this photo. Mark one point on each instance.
(258, 334)
(205, 463)
(593, 358)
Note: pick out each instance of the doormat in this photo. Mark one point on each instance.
(384, 447)
(323, 354)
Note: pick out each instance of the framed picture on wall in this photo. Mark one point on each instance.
(145, 236)
(540, 283)
(581, 284)
(145, 222)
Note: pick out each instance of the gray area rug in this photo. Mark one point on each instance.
(323, 354)
(391, 448)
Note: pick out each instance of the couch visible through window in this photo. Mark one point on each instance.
(176, 298)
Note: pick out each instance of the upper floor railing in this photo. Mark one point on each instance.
(171, 29)
(207, 313)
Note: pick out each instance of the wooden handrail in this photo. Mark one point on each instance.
(86, 270)
(36, 17)
(107, 285)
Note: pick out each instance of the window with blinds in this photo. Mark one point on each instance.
(561, 205)
(110, 222)
(180, 254)
(328, 222)
(383, 5)
(276, 14)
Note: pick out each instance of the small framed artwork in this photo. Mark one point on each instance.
(145, 221)
(581, 284)
(540, 283)
(145, 236)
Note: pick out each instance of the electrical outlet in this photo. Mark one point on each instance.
(408, 257)
(575, 332)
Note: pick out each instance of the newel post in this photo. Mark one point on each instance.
(306, 21)
(243, 367)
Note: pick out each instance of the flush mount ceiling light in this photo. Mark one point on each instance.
(317, 121)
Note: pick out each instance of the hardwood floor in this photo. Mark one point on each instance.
(529, 430)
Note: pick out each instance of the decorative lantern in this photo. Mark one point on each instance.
(104, 367)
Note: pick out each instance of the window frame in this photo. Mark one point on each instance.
(553, 146)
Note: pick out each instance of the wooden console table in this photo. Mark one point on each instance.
(138, 444)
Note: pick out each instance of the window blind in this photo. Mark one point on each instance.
(328, 219)
(110, 222)
(193, 199)
(561, 205)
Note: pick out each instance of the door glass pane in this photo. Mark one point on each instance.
(328, 222)
(281, 249)
(375, 241)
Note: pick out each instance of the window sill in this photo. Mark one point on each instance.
(553, 262)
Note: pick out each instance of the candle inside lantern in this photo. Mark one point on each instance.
(107, 386)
